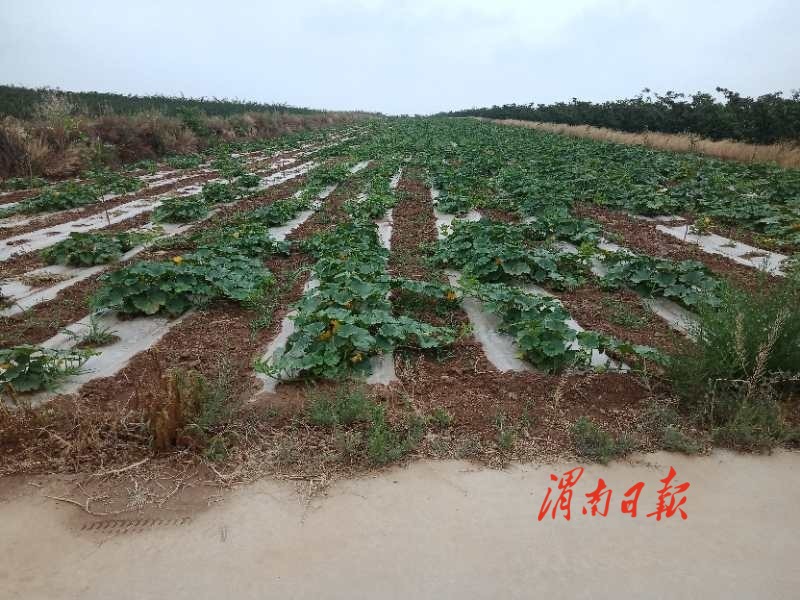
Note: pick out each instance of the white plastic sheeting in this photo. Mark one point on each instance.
(736, 251)
(135, 335)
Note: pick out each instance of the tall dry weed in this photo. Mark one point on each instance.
(60, 141)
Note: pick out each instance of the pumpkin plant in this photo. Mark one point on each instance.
(88, 249)
(491, 251)
(33, 368)
(185, 282)
(348, 317)
(540, 326)
(181, 209)
(687, 282)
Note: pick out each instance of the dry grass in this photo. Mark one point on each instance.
(59, 142)
(785, 155)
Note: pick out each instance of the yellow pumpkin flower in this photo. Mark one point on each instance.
(356, 358)
(177, 259)
(451, 295)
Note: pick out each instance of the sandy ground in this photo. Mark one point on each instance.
(429, 530)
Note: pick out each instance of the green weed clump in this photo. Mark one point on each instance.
(361, 425)
(743, 363)
(663, 422)
(342, 407)
(95, 334)
(596, 444)
(387, 443)
(506, 434)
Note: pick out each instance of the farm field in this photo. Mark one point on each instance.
(344, 299)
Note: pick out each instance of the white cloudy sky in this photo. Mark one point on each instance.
(401, 56)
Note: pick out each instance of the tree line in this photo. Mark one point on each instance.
(767, 119)
(22, 102)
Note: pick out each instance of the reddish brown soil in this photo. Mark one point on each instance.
(413, 224)
(20, 264)
(17, 196)
(480, 398)
(45, 320)
(496, 214)
(620, 314)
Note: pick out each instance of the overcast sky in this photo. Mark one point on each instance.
(401, 56)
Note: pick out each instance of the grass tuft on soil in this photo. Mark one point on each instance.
(593, 442)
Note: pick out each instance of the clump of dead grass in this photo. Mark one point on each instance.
(60, 140)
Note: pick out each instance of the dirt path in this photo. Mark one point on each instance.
(430, 530)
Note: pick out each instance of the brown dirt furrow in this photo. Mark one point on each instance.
(642, 236)
(71, 304)
(102, 424)
(620, 314)
(71, 215)
(463, 383)
(17, 196)
(45, 320)
(413, 226)
(65, 217)
(496, 214)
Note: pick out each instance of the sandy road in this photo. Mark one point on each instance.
(431, 530)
